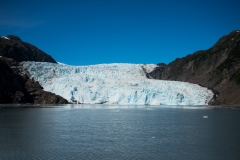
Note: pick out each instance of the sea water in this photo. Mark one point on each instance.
(119, 132)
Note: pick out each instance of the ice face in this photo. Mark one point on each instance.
(115, 84)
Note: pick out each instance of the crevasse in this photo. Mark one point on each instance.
(124, 84)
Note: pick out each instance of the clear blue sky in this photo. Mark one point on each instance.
(83, 32)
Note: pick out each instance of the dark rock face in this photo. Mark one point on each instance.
(13, 47)
(10, 83)
(18, 88)
(217, 68)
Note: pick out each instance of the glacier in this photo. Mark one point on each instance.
(117, 83)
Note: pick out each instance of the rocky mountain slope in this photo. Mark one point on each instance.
(13, 47)
(16, 87)
(217, 68)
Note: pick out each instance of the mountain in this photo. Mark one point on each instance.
(217, 68)
(16, 87)
(124, 84)
(13, 47)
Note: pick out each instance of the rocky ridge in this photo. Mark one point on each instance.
(217, 68)
(13, 47)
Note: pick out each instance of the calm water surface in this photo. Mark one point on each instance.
(119, 132)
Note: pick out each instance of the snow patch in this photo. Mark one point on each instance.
(124, 84)
(4, 37)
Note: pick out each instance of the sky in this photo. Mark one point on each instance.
(86, 32)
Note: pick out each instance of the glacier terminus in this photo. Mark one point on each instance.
(117, 83)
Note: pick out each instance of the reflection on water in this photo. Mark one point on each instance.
(103, 106)
(119, 132)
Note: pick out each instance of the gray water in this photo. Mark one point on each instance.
(119, 132)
